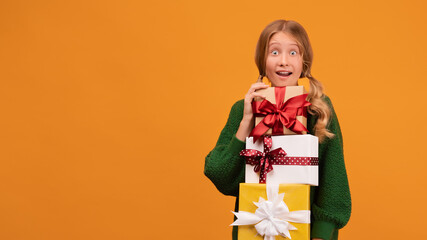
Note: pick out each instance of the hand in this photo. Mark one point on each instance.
(249, 97)
(247, 122)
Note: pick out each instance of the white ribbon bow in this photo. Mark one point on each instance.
(272, 216)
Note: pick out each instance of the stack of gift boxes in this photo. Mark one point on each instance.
(281, 164)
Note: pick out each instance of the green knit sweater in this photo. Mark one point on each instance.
(330, 201)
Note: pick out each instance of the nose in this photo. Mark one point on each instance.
(284, 60)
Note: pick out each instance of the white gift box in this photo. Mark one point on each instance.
(295, 146)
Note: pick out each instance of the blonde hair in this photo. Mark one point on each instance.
(318, 106)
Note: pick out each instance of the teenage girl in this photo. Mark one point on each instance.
(283, 55)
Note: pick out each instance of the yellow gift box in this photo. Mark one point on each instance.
(297, 197)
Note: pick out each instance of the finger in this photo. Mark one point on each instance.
(257, 86)
(251, 96)
(255, 94)
(262, 86)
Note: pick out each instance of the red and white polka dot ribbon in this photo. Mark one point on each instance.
(263, 161)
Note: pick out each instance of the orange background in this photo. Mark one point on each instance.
(109, 108)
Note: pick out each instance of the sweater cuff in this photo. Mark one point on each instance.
(235, 146)
(323, 230)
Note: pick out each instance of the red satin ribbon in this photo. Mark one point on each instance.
(263, 161)
(279, 115)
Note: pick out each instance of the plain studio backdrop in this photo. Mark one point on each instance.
(108, 109)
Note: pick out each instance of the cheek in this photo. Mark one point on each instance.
(269, 65)
(298, 64)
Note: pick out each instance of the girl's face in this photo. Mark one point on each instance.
(284, 60)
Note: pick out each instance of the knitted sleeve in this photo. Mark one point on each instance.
(332, 206)
(223, 165)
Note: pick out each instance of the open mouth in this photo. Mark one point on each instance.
(284, 73)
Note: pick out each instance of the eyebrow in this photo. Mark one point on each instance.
(274, 43)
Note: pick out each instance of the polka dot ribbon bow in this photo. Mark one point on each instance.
(262, 161)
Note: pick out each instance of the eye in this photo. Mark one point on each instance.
(275, 52)
(293, 53)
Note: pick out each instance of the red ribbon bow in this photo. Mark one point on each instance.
(262, 161)
(282, 114)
